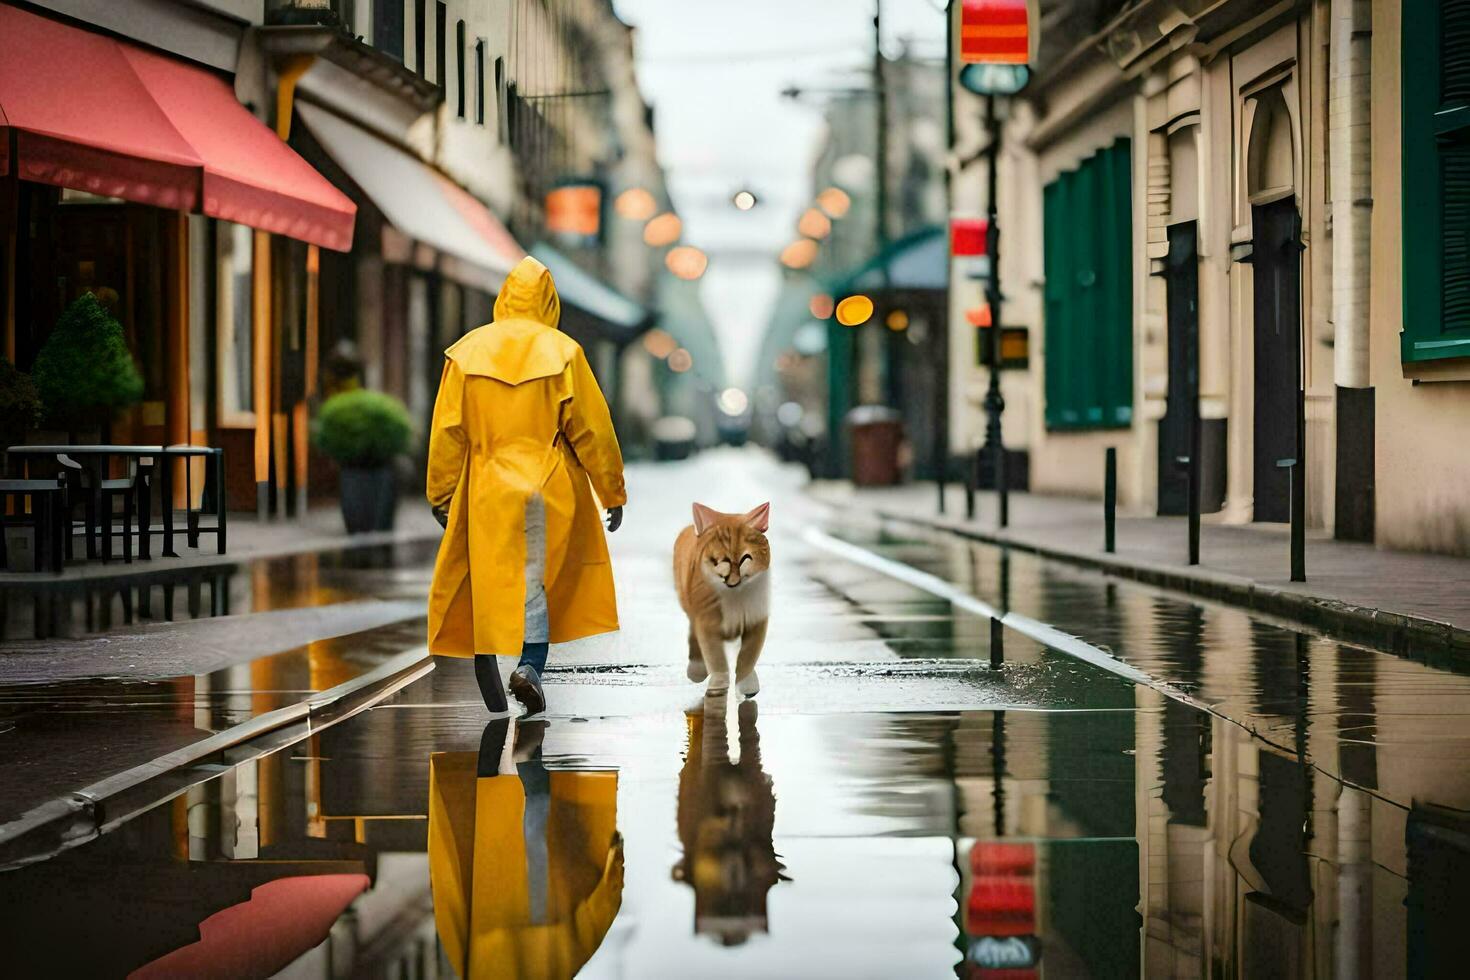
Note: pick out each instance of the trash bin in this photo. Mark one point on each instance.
(674, 437)
(877, 444)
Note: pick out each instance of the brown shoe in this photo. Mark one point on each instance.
(525, 687)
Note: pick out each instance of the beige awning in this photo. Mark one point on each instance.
(469, 244)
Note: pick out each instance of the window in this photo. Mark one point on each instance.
(1088, 256)
(1436, 155)
(441, 24)
(234, 262)
(388, 27)
(480, 82)
(459, 67)
(420, 38)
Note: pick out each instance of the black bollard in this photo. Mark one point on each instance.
(970, 478)
(1110, 500)
(997, 644)
(1296, 488)
(1191, 484)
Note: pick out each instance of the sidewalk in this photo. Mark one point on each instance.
(1400, 601)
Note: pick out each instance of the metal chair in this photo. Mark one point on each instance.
(48, 505)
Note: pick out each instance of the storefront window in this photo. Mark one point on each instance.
(233, 329)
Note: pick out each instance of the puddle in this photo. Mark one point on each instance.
(736, 841)
(46, 607)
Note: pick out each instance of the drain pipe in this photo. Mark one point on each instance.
(1350, 140)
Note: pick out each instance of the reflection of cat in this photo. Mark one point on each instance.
(722, 571)
(726, 815)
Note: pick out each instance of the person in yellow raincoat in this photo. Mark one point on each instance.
(521, 438)
(525, 864)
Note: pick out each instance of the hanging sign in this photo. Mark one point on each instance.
(574, 212)
(994, 32)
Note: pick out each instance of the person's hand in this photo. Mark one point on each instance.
(614, 519)
(441, 514)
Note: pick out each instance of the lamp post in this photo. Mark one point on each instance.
(994, 45)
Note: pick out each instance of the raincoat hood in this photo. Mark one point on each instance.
(522, 344)
(529, 294)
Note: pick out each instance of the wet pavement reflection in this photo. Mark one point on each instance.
(888, 807)
(44, 607)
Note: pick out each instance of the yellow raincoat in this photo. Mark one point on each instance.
(481, 872)
(519, 413)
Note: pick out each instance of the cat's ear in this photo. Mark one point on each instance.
(704, 518)
(760, 518)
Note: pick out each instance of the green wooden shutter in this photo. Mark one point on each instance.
(1088, 257)
(1436, 176)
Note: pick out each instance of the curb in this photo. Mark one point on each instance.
(1397, 633)
(82, 815)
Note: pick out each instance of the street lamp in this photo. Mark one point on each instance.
(995, 45)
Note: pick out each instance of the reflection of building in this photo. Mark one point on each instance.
(1216, 213)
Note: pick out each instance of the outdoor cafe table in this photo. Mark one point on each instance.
(100, 454)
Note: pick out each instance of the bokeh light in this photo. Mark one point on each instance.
(834, 201)
(635, 204)
(814, 224)
(680, 361)
(799, 254)
(686, 262)
(733, 401)
(663, 230)
(659, 343)
(896, 320)
(854, 310)
(821, 306)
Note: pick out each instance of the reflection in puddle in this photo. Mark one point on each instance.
(45, 607)
(525, 864)
(727, 813)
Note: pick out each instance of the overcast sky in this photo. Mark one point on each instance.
(714, 71)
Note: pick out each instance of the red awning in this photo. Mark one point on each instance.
(148, 128)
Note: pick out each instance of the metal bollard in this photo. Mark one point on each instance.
(1110, 500)
(970, 480)
(997, 644)
(1002, 486)
(1191, 483)
(1297, 486)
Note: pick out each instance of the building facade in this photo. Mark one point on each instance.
(446, 125)
(1206, 234)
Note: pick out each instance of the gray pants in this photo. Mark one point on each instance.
(538, 626)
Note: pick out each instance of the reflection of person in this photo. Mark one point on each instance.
(526, 865)
(521, 438)
(727, 811)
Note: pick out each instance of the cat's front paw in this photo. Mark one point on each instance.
(697, 671)
(749, 685)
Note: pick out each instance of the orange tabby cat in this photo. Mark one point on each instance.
(722, 571)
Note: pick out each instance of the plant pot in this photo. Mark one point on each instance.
(369, 499)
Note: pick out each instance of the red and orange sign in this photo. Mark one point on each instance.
(574, 210)
(994, 32)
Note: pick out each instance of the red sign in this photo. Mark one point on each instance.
(994, 32)
(967, 236)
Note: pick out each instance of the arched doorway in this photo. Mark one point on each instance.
(1276, 255)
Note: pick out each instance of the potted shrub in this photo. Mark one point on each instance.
(364, 431)
(84, 372)
(20, 404)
